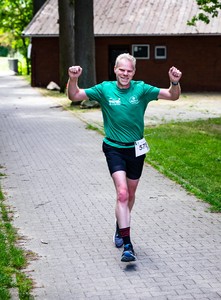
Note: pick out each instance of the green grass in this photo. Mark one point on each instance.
(12, 258)
(190, 154)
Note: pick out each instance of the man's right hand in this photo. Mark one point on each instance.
(74, 92)
(74, 72)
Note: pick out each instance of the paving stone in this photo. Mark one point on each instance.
(63, 201)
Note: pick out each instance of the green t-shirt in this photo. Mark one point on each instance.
(123, 109)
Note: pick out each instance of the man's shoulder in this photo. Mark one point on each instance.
(138, 83)
(145, 88)
(101, 86)
(142, 84)
(108, 83)
(106, 86)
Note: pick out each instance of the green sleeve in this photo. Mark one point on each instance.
(151, 92)
(95, 92)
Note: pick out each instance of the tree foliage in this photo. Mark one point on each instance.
(14, 17)
(209, 8)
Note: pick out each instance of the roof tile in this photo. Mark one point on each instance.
(135, 17)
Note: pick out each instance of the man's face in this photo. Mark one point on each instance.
(124, 73)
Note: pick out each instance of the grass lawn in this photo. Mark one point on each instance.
(12, 259)
(190, 154)
(186, 152)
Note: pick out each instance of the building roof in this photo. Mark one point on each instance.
(45, 21)
(130, 17)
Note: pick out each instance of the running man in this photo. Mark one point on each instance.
(123, 103)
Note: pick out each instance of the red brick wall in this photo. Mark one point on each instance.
(45, 61)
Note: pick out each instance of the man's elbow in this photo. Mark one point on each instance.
(175, 97)
(73, 96)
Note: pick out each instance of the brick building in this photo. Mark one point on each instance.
(154, 31)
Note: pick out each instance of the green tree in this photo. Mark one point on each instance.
(209, 8)
(14, 17)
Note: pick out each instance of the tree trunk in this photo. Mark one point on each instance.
(84, 41)
(66, 39)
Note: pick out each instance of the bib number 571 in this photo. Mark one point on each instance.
(141, 147)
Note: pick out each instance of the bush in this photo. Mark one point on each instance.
(3, 51)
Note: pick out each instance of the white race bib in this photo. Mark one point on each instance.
(141, 147)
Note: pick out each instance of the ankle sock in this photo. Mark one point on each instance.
(125, 234)
(117, 228)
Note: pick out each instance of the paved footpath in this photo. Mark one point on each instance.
(63, 200)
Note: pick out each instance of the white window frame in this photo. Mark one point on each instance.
(160, 56)
(135, 49)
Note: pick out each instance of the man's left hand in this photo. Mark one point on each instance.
(174, 74)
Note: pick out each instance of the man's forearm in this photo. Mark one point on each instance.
(175, 90)
(73, 89)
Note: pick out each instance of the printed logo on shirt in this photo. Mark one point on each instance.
(134, 100)
(114, 101)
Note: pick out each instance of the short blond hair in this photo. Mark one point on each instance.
(128, 57)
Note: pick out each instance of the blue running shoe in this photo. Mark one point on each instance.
(117, 239)
(128, 254)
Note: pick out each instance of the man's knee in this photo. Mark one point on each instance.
(122, 196)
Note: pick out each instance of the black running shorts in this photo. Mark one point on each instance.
(124, 159)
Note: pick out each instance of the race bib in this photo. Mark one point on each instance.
(141, 147)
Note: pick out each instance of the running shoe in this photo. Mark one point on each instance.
(117, 239)
(128, 253)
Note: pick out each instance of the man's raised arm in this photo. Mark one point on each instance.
(174, 91)
(74, 92)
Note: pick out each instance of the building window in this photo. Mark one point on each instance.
(141, 51)
(160, 52)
